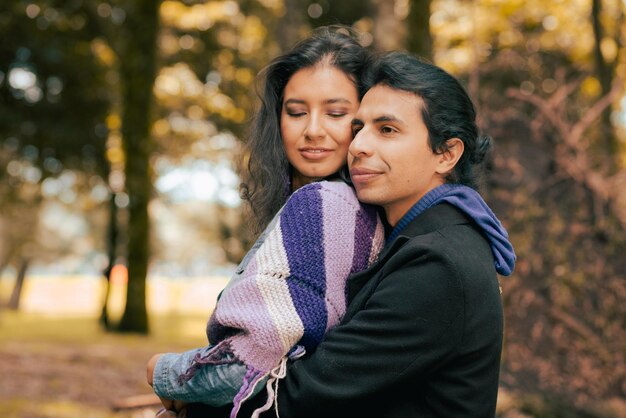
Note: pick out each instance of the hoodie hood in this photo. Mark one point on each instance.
(470, 202)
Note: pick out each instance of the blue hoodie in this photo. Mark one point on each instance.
(472, 204)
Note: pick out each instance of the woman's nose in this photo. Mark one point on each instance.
(314, 128)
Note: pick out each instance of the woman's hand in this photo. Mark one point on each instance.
(150, 368)
(171, 406)
(177, 408)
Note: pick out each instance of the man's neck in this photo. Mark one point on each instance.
(423, 203)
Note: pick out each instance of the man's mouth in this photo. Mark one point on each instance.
(363, 174)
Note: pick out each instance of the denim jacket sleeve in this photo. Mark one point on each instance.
(204, 387)
(215, 385)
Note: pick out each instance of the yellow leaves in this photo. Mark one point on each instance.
(277, 5)
(608, 48)
(252, 35)
(461, 28)
(455, 60)
(161, 127)
(178, 80)
(244, 76)
(550, 22)
(225, 57)
(219, 102)
(510, 38)
(115, 155)
(507, 8)
(452, 21)
(167, 84)
(590, 87)
(224, 106)
(113, 122)
(195, 112)
(114, 151)
(178, 86)
(103, 52)
(198, 16)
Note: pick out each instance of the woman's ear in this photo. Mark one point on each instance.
(451, 156)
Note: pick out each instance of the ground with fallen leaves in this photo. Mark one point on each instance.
(70, 368)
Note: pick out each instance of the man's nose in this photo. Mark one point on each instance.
(360, 145)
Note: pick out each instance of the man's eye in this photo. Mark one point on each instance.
(355, 130)
(387, 130)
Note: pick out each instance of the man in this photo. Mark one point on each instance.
(422, 335)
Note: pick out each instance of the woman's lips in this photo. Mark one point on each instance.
(315, 153)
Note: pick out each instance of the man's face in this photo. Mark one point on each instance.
(390, 160)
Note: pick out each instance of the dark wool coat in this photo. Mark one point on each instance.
(422, 335)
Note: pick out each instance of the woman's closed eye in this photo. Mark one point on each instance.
(337, 113)
(295, 113)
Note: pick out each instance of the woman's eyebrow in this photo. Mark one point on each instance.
(294, 101)
(337, 100)
(327, 101)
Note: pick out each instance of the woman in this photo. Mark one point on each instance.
(290, 288)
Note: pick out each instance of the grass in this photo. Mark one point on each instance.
(166, 330)
(57, 361)
(25, 408)
(67, 366)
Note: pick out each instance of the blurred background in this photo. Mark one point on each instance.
(121, 125)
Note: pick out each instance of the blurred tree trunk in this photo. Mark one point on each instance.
(419, 39)
(138, 70)
(111, 245)
(4, 263)
(292, 26)
(389, 30)
(605, 71)
(14, 301)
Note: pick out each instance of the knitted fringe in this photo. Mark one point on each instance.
(218, 354)
(277, 373)
(250, 381)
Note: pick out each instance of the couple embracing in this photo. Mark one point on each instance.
(372, 290)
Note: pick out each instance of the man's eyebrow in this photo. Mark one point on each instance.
(356, 122)
(387, 118)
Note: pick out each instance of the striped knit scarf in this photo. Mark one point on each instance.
(293, 288)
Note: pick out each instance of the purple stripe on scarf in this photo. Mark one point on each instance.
(302, 231)
(365, 221)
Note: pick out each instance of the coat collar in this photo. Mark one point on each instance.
(432, 219)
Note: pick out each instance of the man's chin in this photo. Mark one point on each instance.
(368, 196)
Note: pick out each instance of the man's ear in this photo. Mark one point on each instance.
(451, 156)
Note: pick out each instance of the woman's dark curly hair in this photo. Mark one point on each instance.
(266, 176)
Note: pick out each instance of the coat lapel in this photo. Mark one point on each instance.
(431, 220)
